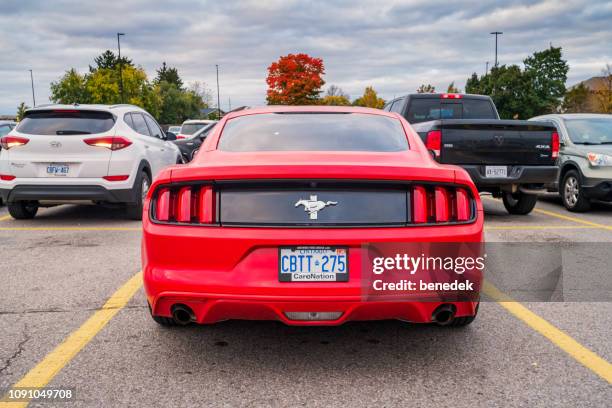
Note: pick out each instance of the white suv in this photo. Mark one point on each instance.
(63, 153)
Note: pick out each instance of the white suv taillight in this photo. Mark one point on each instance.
(8, 142)
(109, 142)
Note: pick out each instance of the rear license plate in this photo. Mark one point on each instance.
(58, 169)
(496, 171)
(312, 264)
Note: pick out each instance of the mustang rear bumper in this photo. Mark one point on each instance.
(216, 307)
(224, 273)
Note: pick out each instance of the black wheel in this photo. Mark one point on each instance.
(141, 187)
(572, 194)
(194, 153)
(23, 210)
(519, 203)
(162, 321)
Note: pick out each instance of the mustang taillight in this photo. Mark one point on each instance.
(186, 204)
(440, 204)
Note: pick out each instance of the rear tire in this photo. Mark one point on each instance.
(519, 203)
(141, 187)
(572, 194)
(23, 210)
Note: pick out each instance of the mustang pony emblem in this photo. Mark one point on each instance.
(313, 206)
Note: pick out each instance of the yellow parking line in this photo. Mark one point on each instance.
(53, 363)
(563, 217)
(537, 227)
(574, 219)
(70, 229)
(556, 336)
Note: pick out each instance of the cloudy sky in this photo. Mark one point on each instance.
(391, 45)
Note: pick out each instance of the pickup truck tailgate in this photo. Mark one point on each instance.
(495, 142)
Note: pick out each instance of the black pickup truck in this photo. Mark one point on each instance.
(512, 159)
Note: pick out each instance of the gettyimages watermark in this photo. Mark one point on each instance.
(446, 272)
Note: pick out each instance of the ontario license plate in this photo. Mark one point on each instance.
(496, 171)
(58, 169)
(312, 264)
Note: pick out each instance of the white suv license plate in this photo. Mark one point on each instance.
(496, 171)
(313, 264)
(58, 169)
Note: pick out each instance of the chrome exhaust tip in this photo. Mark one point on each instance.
(182, 314)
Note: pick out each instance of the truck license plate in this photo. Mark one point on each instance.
(496, 171)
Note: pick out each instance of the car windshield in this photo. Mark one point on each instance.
(590, 130)
(313, 132)
(426, 109)
(66, 122)
(191, 128)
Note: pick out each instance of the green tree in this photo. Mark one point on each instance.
(169, 75)
(426, 88)
(335, 100)
(71, 88)
(369, 99)
(21, 110)
(452, 88)
(547, 71)
(108, 60)
(575, 100)
(177, 105)
(521, 94)
(167, 101)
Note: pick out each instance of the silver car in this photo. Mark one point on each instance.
(6, 126)
(585, 158)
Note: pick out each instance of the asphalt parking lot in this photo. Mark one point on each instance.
(60, 269)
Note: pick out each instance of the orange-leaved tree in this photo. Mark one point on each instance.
(295, 79)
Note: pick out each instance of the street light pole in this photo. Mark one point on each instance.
(487, 68)
(218, 97)
(32, 82)
(120, 66)
(496, 33)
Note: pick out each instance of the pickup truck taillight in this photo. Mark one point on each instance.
(440, 204)
(8, 142)
(184, 204)
(555, 144)
(433, 141)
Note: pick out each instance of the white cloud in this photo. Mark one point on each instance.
(391, 45)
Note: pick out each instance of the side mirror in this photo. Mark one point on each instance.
(170, 136)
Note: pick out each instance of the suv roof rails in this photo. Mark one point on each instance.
(119, 105)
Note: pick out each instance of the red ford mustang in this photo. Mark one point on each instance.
(269, 220)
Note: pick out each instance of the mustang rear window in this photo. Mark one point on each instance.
(66, 122)
(313, 132)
